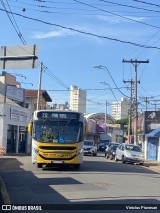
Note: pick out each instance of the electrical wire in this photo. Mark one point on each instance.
(13, 21)
(115, 14)
(86, 33)
(124, 5)
(53, 76)
(157, 5)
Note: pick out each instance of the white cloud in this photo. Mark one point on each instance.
(51, 34)
(116, 19)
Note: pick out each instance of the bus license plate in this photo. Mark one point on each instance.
(57, 161)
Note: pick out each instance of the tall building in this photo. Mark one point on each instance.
(77, 99)
(120, 109)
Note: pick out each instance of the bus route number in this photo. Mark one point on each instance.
(54, 115)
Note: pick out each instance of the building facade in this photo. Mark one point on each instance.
(77, 99)
(8, 79)
(16, 109)
(14, 121)
(120, 109)
(31, 99)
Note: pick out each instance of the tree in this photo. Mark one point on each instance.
(123, 122)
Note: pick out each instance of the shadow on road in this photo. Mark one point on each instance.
(23, 187)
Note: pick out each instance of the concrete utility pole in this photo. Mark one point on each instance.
(135, 63)
(130, 109)
(39, 86)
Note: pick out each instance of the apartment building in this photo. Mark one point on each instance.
(120, 109)
(77, 99)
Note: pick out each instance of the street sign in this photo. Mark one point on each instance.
(19, 57)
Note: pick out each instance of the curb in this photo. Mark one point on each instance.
(4, 193)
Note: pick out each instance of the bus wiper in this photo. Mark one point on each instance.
(68, 122)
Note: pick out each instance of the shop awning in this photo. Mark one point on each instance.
(154, 133)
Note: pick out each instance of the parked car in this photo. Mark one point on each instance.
(89, 147)
(111, 150)
(103, 144)
(129, 153)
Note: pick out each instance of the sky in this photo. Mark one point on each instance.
(73, 36)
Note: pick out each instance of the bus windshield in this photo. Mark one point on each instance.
(49, 131)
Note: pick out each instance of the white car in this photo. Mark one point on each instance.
(129, 153)
(89, 147)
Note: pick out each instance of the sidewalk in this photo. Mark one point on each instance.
(153, 165)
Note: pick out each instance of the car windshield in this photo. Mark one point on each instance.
(88, 143)
(133, 148)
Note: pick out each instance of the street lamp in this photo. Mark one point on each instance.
(104, 83)
(107, 70)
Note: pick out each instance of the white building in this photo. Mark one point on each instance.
(14, 118)
(14, 121)
(120, 109)
(77, 99)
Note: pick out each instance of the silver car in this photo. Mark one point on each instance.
(90, 148)
(129, 153)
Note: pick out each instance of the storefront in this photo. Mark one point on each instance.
(14, 120)
(153, 145)
(91, 133)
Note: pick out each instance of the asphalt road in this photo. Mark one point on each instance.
(99, 181)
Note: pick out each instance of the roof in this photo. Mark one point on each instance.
(154, 133)
(34, 93)
(100, 116)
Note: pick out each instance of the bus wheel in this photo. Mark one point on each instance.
(76, 166)
(39, 165)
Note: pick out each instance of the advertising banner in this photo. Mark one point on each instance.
(151, 121)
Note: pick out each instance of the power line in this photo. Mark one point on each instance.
(67, 13)
(124, 5)
(157, 5)
(13, 21)
(85, 33)
(124, 17)
(53, 76)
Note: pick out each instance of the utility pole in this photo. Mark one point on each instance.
(155, 104)
(130, 109)
(146, 100)
(135, 64)
(39, 86)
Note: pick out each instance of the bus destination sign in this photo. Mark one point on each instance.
(57, 115)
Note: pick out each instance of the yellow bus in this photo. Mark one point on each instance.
(57, 138)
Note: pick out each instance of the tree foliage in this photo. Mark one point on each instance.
(123, 122)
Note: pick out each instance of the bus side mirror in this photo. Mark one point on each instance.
(30, 128)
